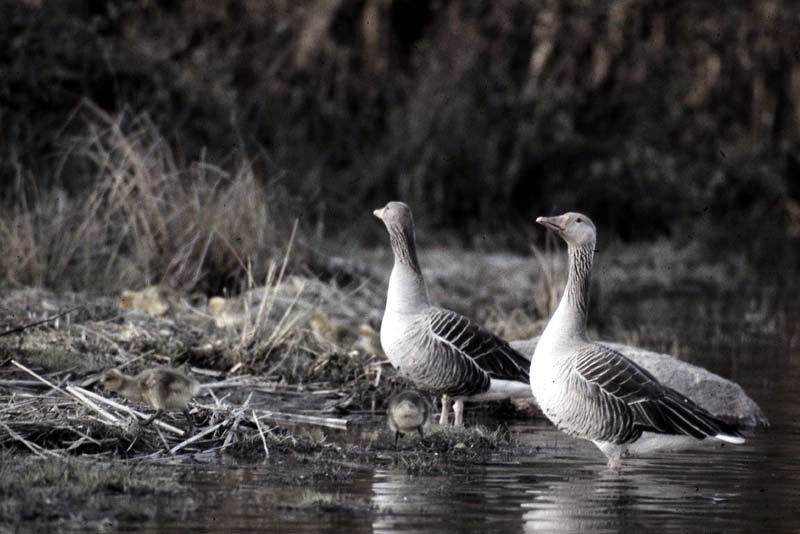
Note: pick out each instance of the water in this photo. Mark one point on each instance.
(547, 482)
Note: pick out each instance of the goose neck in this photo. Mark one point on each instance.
(572, 310)
(404, 246)
(578, 278)
(406, 286)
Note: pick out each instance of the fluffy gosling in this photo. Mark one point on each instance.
(407, 411)
(162, 388)
(156, 300)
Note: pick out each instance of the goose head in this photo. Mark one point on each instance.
(574, 228)
(395, 213)
(113, 380)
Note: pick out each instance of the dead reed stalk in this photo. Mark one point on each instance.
(142, 217)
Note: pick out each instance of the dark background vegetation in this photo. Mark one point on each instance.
(677, 119)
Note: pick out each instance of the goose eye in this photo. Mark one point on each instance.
(578, 220)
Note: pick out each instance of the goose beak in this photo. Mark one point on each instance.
(378, 213)
(555, 224)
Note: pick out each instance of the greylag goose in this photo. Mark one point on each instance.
(407, 411)
(437, 349)
(591, 391)
(162, 388)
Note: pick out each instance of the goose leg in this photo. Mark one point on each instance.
(458, 413)
(446, 401)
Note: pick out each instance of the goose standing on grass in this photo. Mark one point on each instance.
(162, 388)
(437, 349)
(593, 392)
(407, 411)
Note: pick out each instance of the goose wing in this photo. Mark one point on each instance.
(636, 401)
(473, 342)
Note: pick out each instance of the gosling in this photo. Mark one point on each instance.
(407, 411)
(162, 388)
(156, 300)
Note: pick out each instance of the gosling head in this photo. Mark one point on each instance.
(574, 228)
(216, 306)
(113, 380)
(395, 213)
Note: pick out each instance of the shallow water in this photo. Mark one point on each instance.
(548, 482)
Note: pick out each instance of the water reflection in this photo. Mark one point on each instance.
(677, 492)
(474, 500)
(666, 493)
(567, 488)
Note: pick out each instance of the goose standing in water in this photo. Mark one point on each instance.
(162, 388)
(407, 411)
(593, 392)
(437, 349)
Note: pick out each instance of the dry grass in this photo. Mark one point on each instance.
(275, 322)
(143, 219)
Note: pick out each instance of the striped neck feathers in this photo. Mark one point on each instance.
(570, 316)
(404, 246)
(406, 285)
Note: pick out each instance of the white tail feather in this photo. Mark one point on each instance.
(730, 439)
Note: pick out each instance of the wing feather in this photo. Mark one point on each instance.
(491, 353)
(642, 401)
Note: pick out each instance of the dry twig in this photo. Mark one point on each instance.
(35, 449)
(261, 433)
(42, 321)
